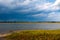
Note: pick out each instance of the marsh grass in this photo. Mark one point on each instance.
(35, 35)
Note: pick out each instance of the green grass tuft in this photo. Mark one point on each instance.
(35, 35)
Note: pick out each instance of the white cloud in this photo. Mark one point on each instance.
(55, 5)
(39, 15)
(30, 5)
(16, 2)
(25, 2)
(44, 6)
(6, 2)
(48, 6)
(57, 2)
(54, 16)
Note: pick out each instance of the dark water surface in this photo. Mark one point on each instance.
(27, 26)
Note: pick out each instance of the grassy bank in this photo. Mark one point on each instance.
(35, 35)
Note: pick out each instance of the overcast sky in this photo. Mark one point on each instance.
(29, 10)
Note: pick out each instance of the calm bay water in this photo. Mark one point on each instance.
(27, 26)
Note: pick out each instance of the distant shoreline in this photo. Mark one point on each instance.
(31, 22)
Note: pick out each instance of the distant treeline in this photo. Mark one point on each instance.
(28, 22)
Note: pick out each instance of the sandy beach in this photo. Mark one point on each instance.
(2, 36)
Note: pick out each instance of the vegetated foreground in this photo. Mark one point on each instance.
(35, 35)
